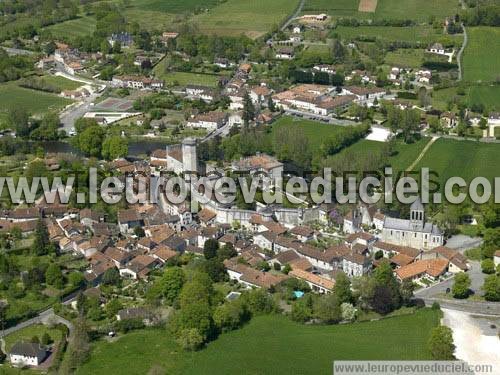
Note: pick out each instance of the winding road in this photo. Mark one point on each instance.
(460, 52)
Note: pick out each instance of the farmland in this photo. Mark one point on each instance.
(419, 10)
(73, 28)
(187, 78)
(35, 102)
(481, 56)
(411, 58)
(174, 6)
(252, 18)
(315, 132)
(446, 157)
(424, 34)
(268, 344)
(487, 95)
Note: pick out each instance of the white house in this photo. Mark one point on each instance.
(27, 354)
(496, 258)
(209, 121)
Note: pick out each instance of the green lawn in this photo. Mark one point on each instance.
(333, 7)
(466, 159)
(252, 18)
(316, 132)
(419, 10)
(269, 345)
(73, 28)
(61, 82)
(27, 333)
(408, 58)
(185, 78)
(489, 96)
(174, 6)
(422, 33)
(481, 56)
(35, 102)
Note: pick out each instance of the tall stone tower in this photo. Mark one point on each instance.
(189, 159)
(417, 219)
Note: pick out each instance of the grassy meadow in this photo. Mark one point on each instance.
(73, 28)
(268, 344)
(35, 102)
(482, 54)
(252, 18)
(423, 33)
(466, 159)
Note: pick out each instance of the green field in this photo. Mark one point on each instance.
(174, 6)
(466, 159)
(35, 102)
(333, 7)
(252, 18)
(27, 333)
(61, 82)
(423, 33)
(489, 96)
(268, 345)
(408, 58)
(185, 78)
(419, 10)
(481, 56)
(316, 132)
(74, 28)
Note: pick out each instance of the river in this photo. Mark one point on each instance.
(135, 148)
(476, 337)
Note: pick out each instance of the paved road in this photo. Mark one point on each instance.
(294, 15)
(17, 51)
(460, 52)
(475, 274)
(74, 112)
(44, 317)
(327, 119)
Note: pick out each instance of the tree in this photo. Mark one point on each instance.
(41, 241)
(406, 291)
(78, 348)
(90, 140)
(301, 311)
(112, 307)
(461, 285)
(18, 119)
(46, 339)
(76, 279)
(488, 266)
(327, 309)
(491, 288)
(111, 277)
(386, 297)
(348, 312)
(54, 276)
(231, 315)
(248, 110)
(441, 343)
(210, 248)
(114, 147)
(190, 339)
(171, 283)
(338, 51)
(342, 288)
(139, 232)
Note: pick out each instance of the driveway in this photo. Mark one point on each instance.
(475, 274)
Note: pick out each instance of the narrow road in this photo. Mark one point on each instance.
(44, 317)
(460, 52)
(294, 15)
(17, 51)
(424, 151)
